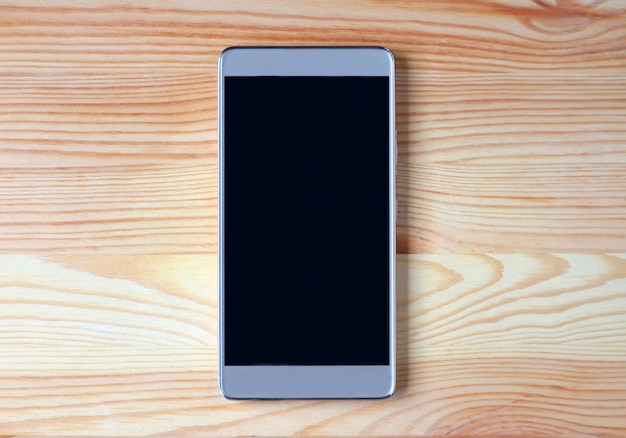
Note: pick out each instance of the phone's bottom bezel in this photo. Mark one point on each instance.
(307, 382)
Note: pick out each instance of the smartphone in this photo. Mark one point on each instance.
(307, 162)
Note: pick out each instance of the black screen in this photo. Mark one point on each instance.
(306, 221)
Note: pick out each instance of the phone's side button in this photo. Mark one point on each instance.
(395, 145)
(396, 209)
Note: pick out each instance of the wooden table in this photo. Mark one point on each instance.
(511, 233)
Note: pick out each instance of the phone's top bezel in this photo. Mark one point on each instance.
(270, 382)
(306, 61)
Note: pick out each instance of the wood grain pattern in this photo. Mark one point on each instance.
(511, 229)
(504, 163)
(110, 163)
(462, 36)
(487, 345)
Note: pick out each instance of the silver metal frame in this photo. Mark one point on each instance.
(278, 382)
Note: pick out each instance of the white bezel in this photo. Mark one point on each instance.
(283, 381)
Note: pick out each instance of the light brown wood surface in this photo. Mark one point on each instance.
(511, 229)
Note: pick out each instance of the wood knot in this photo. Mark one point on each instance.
(566, 16)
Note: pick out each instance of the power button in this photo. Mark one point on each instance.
(395, 146)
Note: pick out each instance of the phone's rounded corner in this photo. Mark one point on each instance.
(388, 394)
(225, 53)
(227, 49)
(388, 53)
(228, 395)
(222, 389)
(225, 394)
(391, 389)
